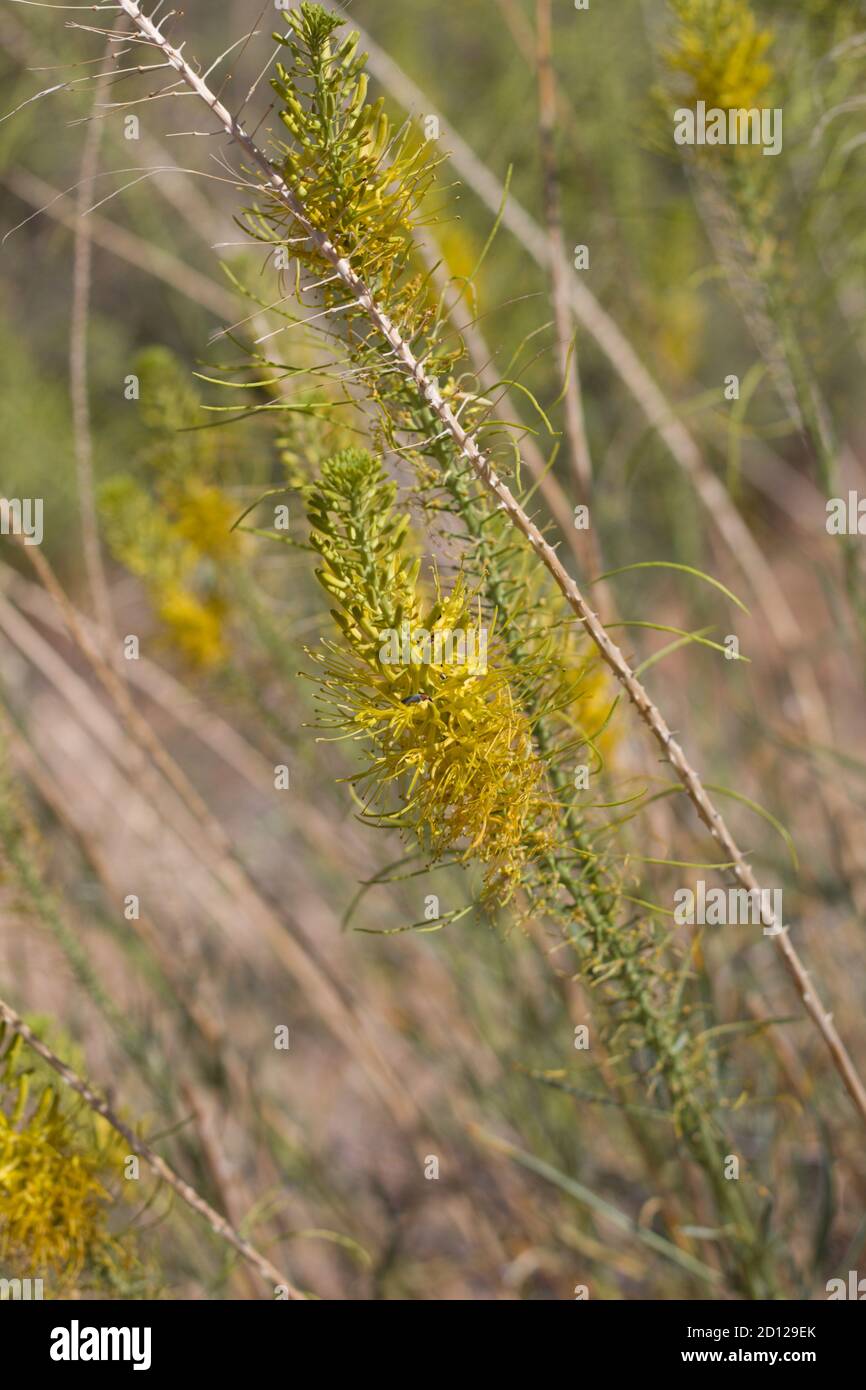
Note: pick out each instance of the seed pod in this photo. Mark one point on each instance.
(350, 46)
(360, 95)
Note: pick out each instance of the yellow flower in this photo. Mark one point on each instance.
(204, 517)
(358, 178)
(719, 53)
(177, 536)
(196, 627)
(423, 686)
(53, 1201)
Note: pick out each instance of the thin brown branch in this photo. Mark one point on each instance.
(187, 1194)
(234, 1200)
(82, 272)
(490, 381)
(299, 957)
(28, 764)
(126, 245)
(469, 450)
(662, 416)
(575, 421)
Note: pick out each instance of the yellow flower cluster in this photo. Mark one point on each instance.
(196, 627)
(719, 52)
(178, 538)
(176, 547)
(420, 685)
(53, 1203)
(359, 179)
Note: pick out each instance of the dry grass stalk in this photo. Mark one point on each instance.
(661, 415)
(297, 956)
(78, 373)
(575, 422)
(187, 1194)
(468, 449)
(124, 244)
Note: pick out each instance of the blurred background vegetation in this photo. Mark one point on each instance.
(261, 907)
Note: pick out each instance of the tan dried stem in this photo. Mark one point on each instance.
(299, 957)
(661, 415)
(234, 1199)
(27, 763)
(490, 381)
(79, 389)
(468, 449)
(126, 245)
(575, 422)
(187, 1194)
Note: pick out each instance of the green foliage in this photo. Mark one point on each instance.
(480, 768)
(360, 181)
(630, 959)
(361, 543)
(442, 729)
(719, 53)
